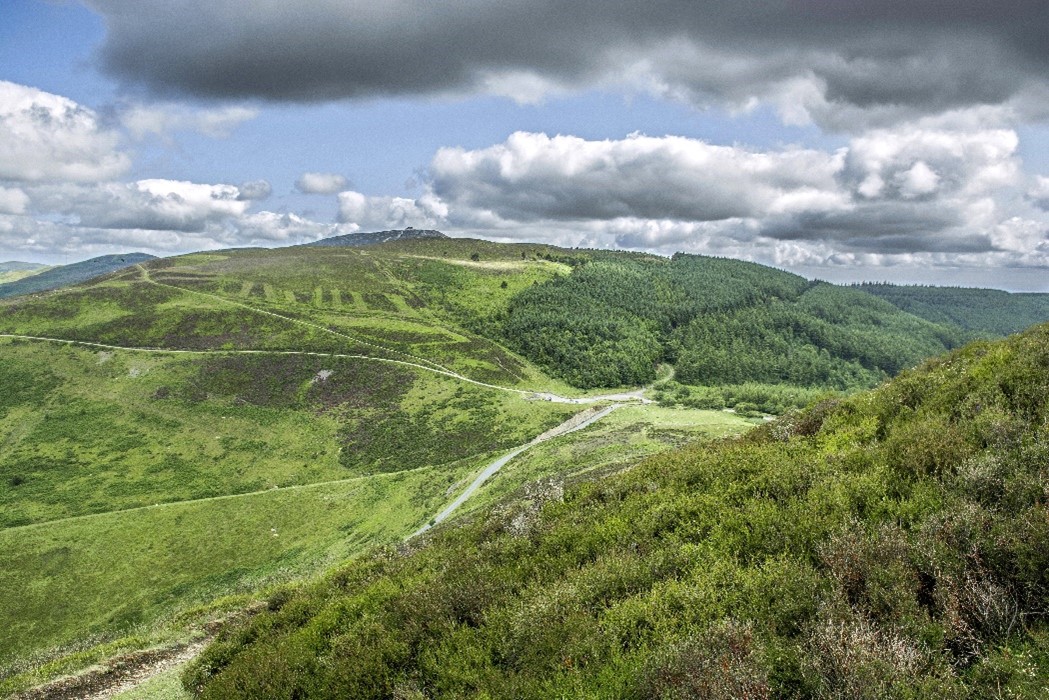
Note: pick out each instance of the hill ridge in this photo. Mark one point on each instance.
(377, 237)
(65, 275)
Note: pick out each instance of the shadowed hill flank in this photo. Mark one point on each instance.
(893, 544)
(66, 275)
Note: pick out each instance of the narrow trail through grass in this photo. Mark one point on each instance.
(307, 353)
(527, 393)
(426, 364)
(224, 497)
(576, 422)
(393, 357)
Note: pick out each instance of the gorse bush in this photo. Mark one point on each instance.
(894, 544)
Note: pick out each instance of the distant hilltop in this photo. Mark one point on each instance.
(65, 275)
(354, 240)
(16, 266)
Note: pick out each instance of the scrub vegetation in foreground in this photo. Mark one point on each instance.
(891, 544)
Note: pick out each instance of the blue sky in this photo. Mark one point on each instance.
(876, 146)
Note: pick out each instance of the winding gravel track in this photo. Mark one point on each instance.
(576, 422)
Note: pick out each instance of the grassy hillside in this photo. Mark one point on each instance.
(179, 436)
(65, 275)
(222, 421)
(354, 240)
(893, 544)
(989, 311)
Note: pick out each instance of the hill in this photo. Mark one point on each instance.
(893, 544)
(187, 432)
(65, 275)
(14, 271)
(983, 311)
(182, 435)
(720, 322)
(375, 238)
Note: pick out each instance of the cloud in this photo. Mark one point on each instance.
(384, 213)
(13, 200)
(534, 176)
(164, 119)
(256, 190)
(153, 205)
(1039, 192)
(84, 236)
(844, 65)
(269, 227)
(910, 161)
(321, 183)
(48, 137)
(932, 191)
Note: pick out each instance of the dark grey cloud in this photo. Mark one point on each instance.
(836, 61)
(885, 228)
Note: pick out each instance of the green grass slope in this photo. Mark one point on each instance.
(203, 426)
(892, 544)
(988, 311)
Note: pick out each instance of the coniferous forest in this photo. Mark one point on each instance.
(718, 321)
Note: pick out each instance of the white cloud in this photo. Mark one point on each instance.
(1039, 192)
(534, 176)
(919, 180)
(911, 161)
(932, 192)
(321, 183)
(382, 213)
(164, 119)
(13, 200)
(46, 137)
(156, 205)
(272, 227)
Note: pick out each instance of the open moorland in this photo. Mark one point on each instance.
(183, 437)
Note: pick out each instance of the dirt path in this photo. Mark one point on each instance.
(116, 675)
(224, 497)
(576, 422)
(531, 395)
(131, 670)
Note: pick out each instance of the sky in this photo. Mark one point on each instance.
(845, 140)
